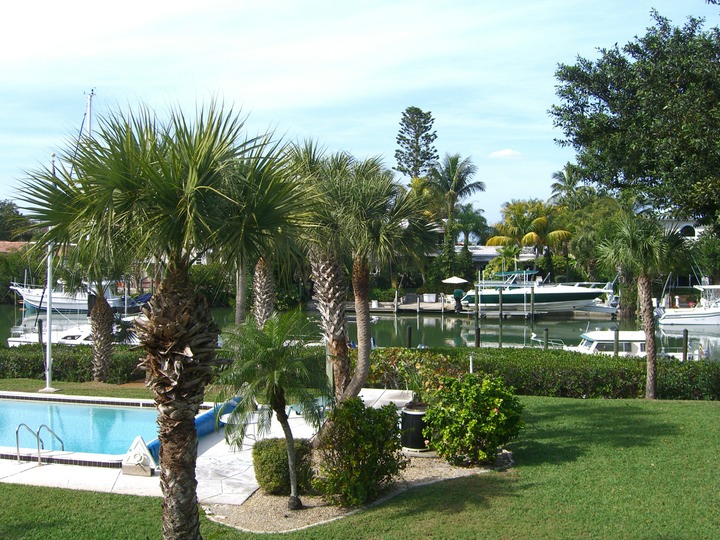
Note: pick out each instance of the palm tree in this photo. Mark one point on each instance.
(324, 251)
(380, 220)
(471, 221)
(452, 178)
(272, 365)
(265, 210)
(637, 246)
(157, 189)
(566, 188)
(543, 236)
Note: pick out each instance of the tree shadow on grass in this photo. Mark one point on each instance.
(448, 498)
(562, 430)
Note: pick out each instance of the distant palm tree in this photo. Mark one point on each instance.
(637, 246)
(471, 221)
(452, 178)
(543, 235)
(567, 189)
(273, 366)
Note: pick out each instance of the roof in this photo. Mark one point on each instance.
(10, 247)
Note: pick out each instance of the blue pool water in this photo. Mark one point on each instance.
(95, 429)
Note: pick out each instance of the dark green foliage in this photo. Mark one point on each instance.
(554, 373)
(270, 461)
(70, 363)
(470, 417)
(416, 155)
(12, 268)
(14, 226)
(360, 452)
(643, 117)
(214, 282)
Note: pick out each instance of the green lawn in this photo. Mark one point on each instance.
(584, 469)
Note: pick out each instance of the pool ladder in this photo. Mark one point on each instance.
(36, 434)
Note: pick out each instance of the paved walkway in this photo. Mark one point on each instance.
(225, 475)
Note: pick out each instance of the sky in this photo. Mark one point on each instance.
(338, 72)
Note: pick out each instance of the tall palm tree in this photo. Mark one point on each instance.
(452, 178)
(265, 210)
(156, 187)
(321, 172)
(272, 365)
(637, 245)
(380, 220)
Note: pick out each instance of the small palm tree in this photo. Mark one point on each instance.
(638, 246)
(272, 365)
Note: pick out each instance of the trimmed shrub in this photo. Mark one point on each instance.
(470, 417)
(71, 363)
(270, 461)
(360, 453)
(552, 373)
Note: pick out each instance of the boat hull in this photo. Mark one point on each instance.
(694, 316)
(558, 298)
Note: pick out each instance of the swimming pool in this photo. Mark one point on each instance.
(87, 428)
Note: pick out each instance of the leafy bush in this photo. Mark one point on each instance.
(469, 418)
(360, 453)
(552, 373)
(270, 461)
(71, 363)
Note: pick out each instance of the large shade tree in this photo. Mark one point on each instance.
(644, 117)
(157, 186)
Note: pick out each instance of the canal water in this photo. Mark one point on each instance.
(450, 330)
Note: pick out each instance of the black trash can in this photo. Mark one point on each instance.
(412, 424)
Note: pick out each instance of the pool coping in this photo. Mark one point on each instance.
(60, 457)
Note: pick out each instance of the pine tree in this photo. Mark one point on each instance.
(416, 155)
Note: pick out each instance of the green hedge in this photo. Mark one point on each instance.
(550, 373)
(70, 363)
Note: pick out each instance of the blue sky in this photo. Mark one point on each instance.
(335, 71)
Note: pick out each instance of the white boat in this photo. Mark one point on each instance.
(630, 343)
(705, 312)
(35, 298)
(521, 295)
(74, 335)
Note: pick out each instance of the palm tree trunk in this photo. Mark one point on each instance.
(361, 282)
(240, 290)
(101, 323)
(294, 502)
(180, 338)
(263, 291)
(648, 325)
(329, 290)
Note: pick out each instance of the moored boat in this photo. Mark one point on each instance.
(706, 312)
(629, 343)
(35, 298)
(520, 294)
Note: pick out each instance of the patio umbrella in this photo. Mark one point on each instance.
(455, 280)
